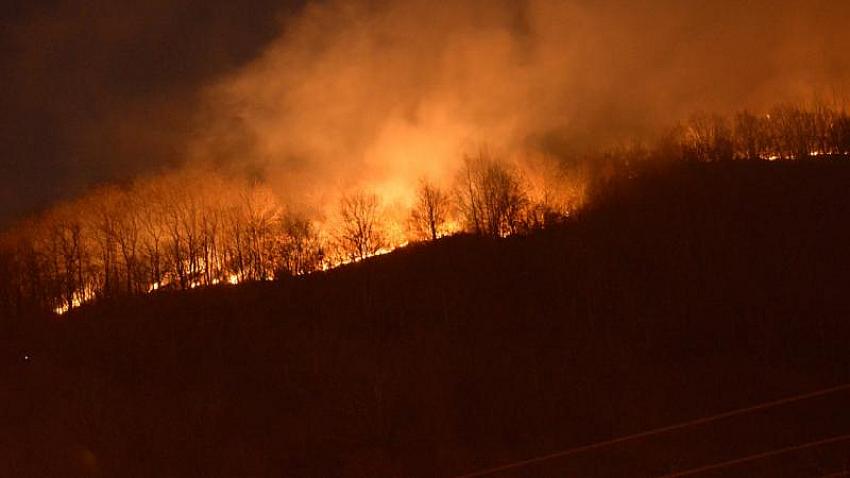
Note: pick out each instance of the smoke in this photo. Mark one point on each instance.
(375, 94)
(332, 95)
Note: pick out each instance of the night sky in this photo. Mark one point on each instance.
(101, 90)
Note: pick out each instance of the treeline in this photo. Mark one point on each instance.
(179, 231)
(187, 229)
(785, 132)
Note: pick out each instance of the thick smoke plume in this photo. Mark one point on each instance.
(319, 96)
(375, 94)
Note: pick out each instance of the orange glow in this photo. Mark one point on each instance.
(78, 298)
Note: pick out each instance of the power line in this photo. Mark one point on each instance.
(759, 456)
(658, 431)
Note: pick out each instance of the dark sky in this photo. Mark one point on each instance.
(96, 90)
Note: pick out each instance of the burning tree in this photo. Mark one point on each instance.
(128, 226)
(752, 137)
(63, 244)
(301, 250)
(154, 231)
(261, 213)
(556, 188)
(492, 196)
(707, 138)
(794, 132)
(431, 211)
(102, 211)
(360, 234)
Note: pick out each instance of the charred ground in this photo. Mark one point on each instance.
(685, 290)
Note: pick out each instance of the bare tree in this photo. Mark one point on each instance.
(178, 251)
(840, 133)
(360, 234)
(235, 250)
(557, 190)
(127, 235)
(262, 213)
(101, 213)
(492, 196)
(431, 211)
(301, 250)
(214, 193)
(751, 136)
(707, 138)
(823, 119)
(65, 230)
(794, 131)
(153, 230)
(468, 191)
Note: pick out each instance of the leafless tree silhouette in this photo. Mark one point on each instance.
(360, 233)
(431, 211)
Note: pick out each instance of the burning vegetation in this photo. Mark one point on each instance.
(187, 229)
(160, 233)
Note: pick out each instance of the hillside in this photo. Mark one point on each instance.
(691, 289)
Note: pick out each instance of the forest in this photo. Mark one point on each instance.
(423, 239)
(683, 290)
(188, 229)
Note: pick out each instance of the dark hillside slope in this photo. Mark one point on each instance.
(690, 290)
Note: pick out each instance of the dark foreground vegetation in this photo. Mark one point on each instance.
(688, 289)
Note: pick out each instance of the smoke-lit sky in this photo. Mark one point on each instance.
(319, 96)
(94, 90)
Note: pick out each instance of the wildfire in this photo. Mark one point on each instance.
(247, 235)
(61, 310)
(812, 154)
(78, 298)
(450, 228)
